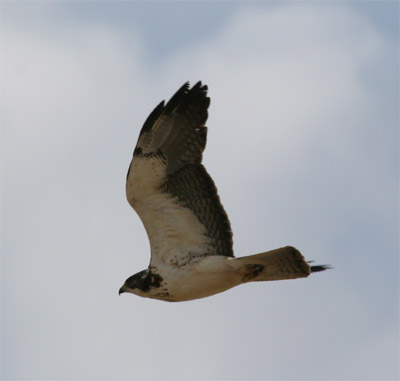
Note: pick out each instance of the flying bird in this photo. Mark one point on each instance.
(176, 199)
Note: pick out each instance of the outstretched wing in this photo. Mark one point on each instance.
(170, 189)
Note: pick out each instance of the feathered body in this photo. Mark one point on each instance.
(177, 201)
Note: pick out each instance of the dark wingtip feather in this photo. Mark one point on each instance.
(175, 99)
(178, 97)
(194, 98)
(200, 86)
(315, 269)
(188, 109)
(198, 93)
(154, 115)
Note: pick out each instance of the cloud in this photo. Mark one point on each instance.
(301, 148)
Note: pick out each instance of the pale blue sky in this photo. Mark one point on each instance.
(303, 145)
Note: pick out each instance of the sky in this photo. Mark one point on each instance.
(303, 145)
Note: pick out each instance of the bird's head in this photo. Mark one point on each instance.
(134, 283)
(142, 283)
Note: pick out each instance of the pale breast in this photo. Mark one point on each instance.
(208, 276)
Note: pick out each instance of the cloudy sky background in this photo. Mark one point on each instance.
(303, 146)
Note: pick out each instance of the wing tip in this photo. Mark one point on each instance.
(154, 115)
(186, 96)
(186, 100)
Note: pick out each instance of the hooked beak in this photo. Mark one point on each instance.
(121, 290)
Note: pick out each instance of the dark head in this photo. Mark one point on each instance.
(133, 282)
(142, 283)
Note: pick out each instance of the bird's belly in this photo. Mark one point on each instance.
(209, 276)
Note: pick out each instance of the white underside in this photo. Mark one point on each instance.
(208, 276)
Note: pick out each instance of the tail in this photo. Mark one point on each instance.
(284, 263)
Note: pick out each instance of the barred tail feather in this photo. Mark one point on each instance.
(283, 263)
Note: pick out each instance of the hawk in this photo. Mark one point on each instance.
(176, 199)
